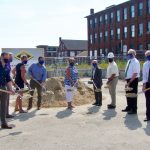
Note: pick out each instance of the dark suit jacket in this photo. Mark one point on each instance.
(97, 77)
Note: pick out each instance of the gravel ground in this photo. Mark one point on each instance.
(85, 128)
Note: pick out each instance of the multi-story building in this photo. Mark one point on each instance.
(119, 27)
(49, 51)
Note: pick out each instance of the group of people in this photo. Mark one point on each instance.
(37, 74)
(132, 75)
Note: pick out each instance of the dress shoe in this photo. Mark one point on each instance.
(29, 108)
(5, 126)
(111, 107)
(38, 108)
(99, 105)
(145, 120)
(125, 110)
(9, 116)
(94, 104)
(131, 112)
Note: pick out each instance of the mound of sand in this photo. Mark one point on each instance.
(55, 95)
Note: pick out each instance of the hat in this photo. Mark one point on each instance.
(132, 51)
(94, 61)
(110, 55)
(147, 53)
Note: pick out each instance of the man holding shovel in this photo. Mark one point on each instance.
(112, 76)
(146, 84)
(38, 74)
(97, 83)
(5, 80)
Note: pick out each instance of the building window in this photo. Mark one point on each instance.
(111, 34)
(148, 6)
(91, 23)
(148, 46)
(72, 53)
(95, 54)
(111, 17)
(125, 32)
(132, 31)
(148, 28)
(132, 46)
(132, 11)
(106, 19)
(125, 14)
(101, 20)
(101, 36)
(118, 33)
(95, 37)
(140, 9)
(106, 35)
(118, 15)
(91, 53)
(140, 29)
(140, 47)
(95, 22)
(91, 39)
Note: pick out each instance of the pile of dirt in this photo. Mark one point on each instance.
(55, 95)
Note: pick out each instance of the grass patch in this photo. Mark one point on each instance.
(103, 65)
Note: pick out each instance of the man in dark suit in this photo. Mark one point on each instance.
(97, 83)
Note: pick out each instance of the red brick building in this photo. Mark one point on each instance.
(119, 27)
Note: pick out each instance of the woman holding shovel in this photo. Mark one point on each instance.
(71, 78)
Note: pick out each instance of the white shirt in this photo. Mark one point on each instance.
(146, 68)
(94, 69)
(134, 67)
(112, 69)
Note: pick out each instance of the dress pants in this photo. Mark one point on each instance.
(132, 102)
(147, 95)
(112, 90)
(3, 99)
(34, 85)
(98, 95)
(7, 104)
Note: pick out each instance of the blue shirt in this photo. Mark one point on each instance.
(38, 72)
(4, 75)
(73, 75)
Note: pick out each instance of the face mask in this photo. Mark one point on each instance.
(41, 62)
(10, 60)
(25, 62)
(130, 56)
(6, 60)
(72, 64)
(110, 60)
(94, 65)
(148, 58)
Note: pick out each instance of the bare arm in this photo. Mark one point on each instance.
(23, 74)
(111, 78)
(14, 72)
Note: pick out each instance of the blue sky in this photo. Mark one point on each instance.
(27, 23)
